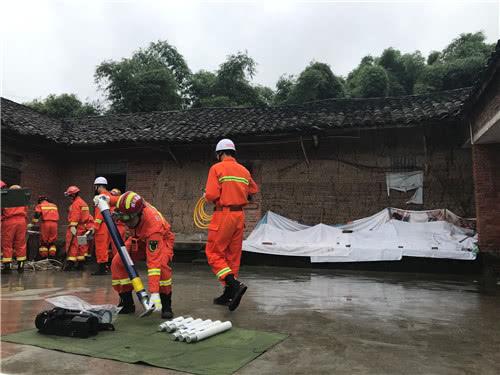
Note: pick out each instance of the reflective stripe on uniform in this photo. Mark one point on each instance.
(20, 259)
(73, 223)
(121, 282)
(49, 208)
(80, 257)
(35, 220)
(73, 259)
(85, 208)
(5, 260)
(43, 249)
(154, 272)
(166, 282)
(98, 221)
(224, 271)
(234, 179)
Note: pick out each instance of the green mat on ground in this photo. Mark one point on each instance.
(137, 341)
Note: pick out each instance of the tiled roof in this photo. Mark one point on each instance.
(185, 126)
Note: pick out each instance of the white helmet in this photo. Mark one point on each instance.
(100, 181)
(225, 144)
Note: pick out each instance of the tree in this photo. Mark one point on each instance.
(284, 87)
(64, 105)
(230, 85)
(457, 65)
(316, 82)
(153, 79)
(371, 81)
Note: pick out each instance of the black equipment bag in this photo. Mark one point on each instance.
(71, 323)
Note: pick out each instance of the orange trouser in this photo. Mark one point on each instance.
(121, 229)
(225, 238)
(102, 240)
(75, 252)
(157, 284)
(48, 237)
(14, 238)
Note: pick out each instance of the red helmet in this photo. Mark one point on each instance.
(116, 192)
(2, 184)
(71, 190)
(130, 203)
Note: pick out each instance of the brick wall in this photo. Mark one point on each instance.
(344, 180)
(487, 192)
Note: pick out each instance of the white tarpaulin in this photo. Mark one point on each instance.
(388, 235)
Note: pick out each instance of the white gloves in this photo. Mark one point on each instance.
(97, 197)
(72, 229)
(30, 226)
(156, 300)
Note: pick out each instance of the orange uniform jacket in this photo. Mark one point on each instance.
(8, 213)
(153, 233)
(78, 214)
(229, 184)
(46, 211)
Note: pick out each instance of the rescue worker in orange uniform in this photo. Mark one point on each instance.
(78, 215)
(3, 186)
(122, 228)
(151, 233)
(102, 239)
(85, 249)
(47, 216)
(229, 186)
(14, 227)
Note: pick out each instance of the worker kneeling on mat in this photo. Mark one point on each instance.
(151, 233)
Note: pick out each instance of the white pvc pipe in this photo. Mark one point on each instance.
(209, 331)
(163, 326)
(174, 326)
(187, 325)
(199, 328)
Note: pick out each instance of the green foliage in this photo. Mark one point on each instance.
(371, 81)
(458, 65)
(230, 85)
(284, 87)
(316, 82)
(154, 79)
(64, 105)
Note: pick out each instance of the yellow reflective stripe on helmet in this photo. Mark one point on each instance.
(118, 201)
(154, 272)
(224, 271)
(98, 221)
(166, 282)
(234, 179)
(129, 200)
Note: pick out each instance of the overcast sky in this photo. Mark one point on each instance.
(54, 46)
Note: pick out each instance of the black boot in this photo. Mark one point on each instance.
(6, 268)
(20, 266)
(69, 265)
(166, 306)
(101, 270)
(126, 303)
(224, 298)
(79, 266)
(236, 290)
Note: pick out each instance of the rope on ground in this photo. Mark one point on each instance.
(43, 265)
(200, 217)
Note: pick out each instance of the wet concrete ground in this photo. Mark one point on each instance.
(339, 322)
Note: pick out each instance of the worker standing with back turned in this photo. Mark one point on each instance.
(47, 215)
(102, 239)
(229, 186)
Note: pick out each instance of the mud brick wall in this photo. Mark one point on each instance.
(487, 190)
(345, 178)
